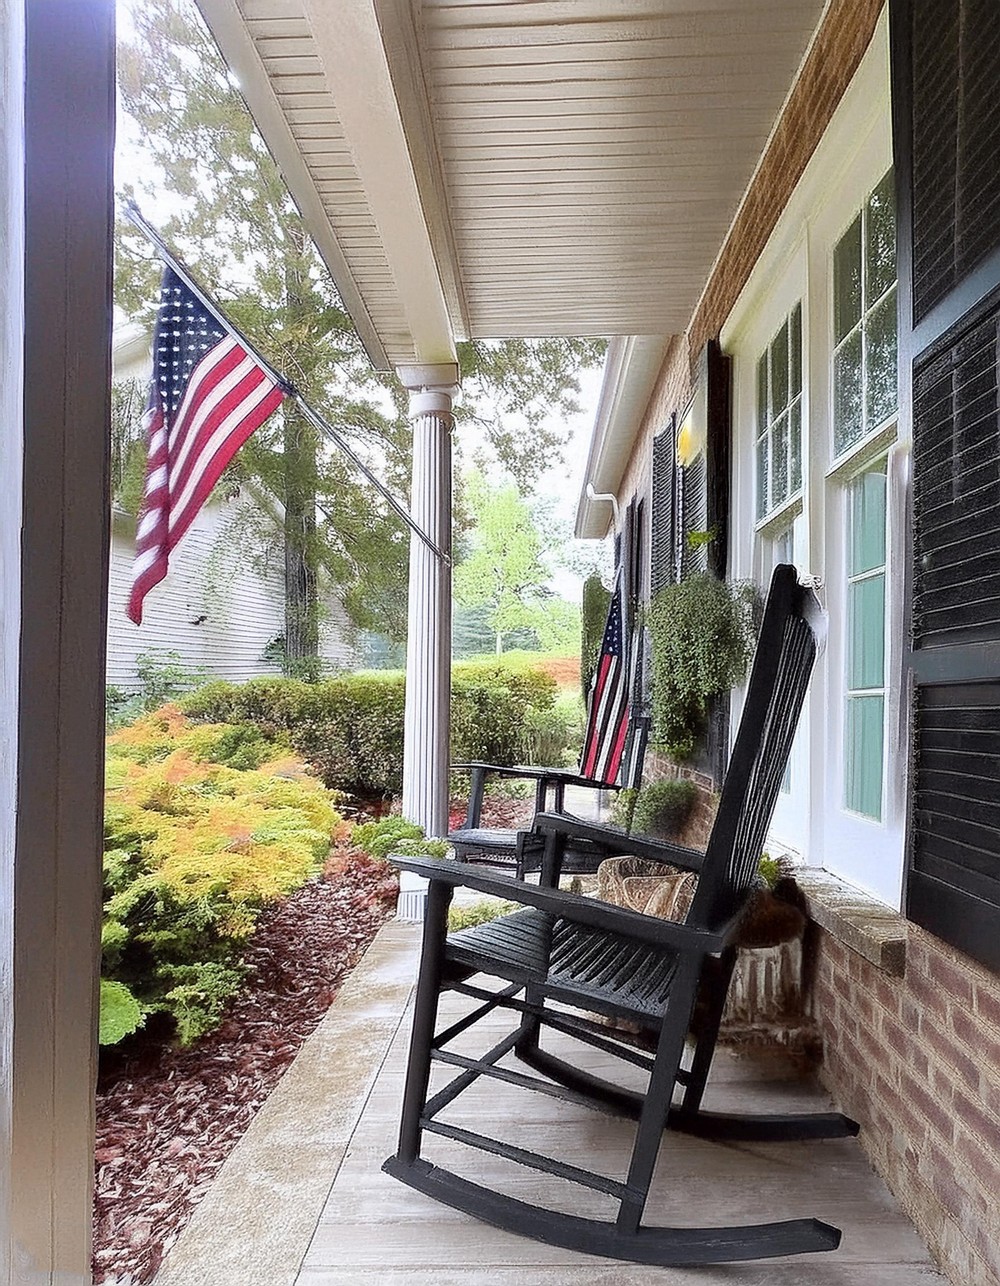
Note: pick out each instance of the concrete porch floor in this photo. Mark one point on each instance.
(302, 1200)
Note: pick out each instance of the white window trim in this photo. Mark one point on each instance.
(797, 262)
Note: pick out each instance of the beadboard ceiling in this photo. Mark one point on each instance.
(514, 167)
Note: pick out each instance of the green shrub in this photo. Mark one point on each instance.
(623, 808)
(121, 1013)
(396, 835)
(702, 634)
(200, 836)
(469, 915)
(593, 618)
(350, 728)
(663, 807)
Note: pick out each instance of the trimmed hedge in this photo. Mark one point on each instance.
(350, 728)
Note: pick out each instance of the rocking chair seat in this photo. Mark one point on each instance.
(597, 970)
(489, 846)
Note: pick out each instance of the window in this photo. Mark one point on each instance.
(864, 722)
(864, 320)
(819, 479)
(779, 416)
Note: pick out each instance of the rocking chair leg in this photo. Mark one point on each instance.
(418, 1070)
(705, 1043)
(656, 1107)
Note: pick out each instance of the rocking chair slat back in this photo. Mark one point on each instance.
(783, 660)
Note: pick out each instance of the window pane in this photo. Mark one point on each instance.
(779, 461)
(779, 371)
(762, 394)
(762, 471)
(795, 351)
(867, 522)
(866, 613)
(847, 281)
(880, 336)
(880, 240)
(795, 446)
(863, 755)
(847, 421)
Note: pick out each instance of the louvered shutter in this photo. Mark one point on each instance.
(946, 66)
(693, 490)
(663, 571)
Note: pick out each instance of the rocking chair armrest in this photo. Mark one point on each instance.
(570, 906)
(618, 842)
(529, 772)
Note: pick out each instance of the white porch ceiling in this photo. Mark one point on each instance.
(514, 167)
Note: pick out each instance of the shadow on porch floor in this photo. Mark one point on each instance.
(302, 1200)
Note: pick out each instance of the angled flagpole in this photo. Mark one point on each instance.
(133, 214)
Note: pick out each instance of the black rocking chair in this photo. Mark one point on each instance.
(564, 953)
(520, 852)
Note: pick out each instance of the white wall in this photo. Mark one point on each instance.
(215, 609)
(239, 606)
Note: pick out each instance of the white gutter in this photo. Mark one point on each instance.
(631, 369)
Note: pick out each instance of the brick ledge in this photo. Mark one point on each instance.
(860, 921)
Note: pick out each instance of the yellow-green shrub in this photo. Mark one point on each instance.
(195, 848)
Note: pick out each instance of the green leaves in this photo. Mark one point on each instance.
(703, 632)
(121, 1013)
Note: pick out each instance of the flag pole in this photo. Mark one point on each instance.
(133, 214)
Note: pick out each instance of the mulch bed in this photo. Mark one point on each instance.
(167, 1118)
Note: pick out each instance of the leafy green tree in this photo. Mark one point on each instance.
(191, 142)
(504, 571)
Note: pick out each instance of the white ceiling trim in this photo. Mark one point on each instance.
(350, 46)
(631, 369)
(229, 30)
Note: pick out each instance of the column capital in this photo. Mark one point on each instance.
(437, 377)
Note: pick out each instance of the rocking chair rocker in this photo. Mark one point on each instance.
(563, 950)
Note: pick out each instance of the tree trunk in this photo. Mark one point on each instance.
(499, 643)
(300, 472)
(301, 599)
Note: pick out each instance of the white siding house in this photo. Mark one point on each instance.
(217, 608)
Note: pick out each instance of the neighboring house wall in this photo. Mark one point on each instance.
(217, 608)
(214, 609)
(913, 1052)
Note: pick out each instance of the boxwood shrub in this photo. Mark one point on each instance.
(350, 728)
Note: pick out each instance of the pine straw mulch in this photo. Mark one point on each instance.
(167, 1118)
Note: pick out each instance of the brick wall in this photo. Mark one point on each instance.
(917, 1060)
(840, 44)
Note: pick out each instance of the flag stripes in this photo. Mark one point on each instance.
(206, 397)
(608, 716)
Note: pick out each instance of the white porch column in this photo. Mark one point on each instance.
(57, 76)
(428, 643)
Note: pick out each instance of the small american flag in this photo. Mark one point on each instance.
(206, 396)
(608, 716)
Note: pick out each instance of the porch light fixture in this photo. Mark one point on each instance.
(692, 434)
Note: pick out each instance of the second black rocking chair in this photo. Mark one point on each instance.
(564, 957)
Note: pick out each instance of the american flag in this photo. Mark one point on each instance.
(608, 716)
(206, 396)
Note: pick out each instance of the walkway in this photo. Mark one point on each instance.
(302, 1200)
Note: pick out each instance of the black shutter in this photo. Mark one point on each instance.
(946, 67)
(662, 571)
(693, 489)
